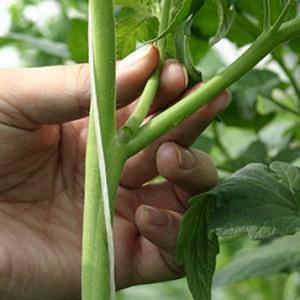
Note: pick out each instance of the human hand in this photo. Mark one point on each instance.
(43, 127)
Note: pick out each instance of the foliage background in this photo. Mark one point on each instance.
(262, 124)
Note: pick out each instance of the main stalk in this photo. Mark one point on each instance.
(104, 159)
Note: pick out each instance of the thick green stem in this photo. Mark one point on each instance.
(104, 159)
(180, 111)
(95, 257)
(102, 33)
(143, 106)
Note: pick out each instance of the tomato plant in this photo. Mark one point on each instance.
(247, 201)
(259, 196)
(218, 212)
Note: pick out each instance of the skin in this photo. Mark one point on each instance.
(43, 127)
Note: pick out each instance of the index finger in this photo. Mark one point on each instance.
(51, 95)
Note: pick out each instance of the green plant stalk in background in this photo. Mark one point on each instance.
(112, 150)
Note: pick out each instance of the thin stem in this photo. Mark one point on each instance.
(284, 107)
(267, 14)
(181, 110)
(219, 142)
(143, 106)
(282, 16)
(278, 58)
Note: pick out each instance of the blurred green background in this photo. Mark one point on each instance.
(263, 126)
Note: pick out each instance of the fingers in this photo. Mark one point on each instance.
(133, 72)
(191, 170)
(173, 82)
(161, 227)
(142, 167)
(59, 94)
(188, 172)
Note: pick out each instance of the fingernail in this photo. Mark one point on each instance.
(186, 159)
(155, 216)
(186, 75)
(134, 57)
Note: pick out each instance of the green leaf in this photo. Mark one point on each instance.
(248, 23)
(183, 51)
(189, 8)
(226, 13)
(243, 111)
(203, 143)
(138, 25)
(289, 176)
(130, 30)
(210, 64)
(207, 21)
(259, 200)
(288, 154)
(197, 248)
(214, 20)
(47, 46)
(281, 255)
(256, 153)
(78, 40)
(295, 45)
(242, 31)
(254, 11)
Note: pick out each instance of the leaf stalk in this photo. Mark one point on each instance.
(268, 14)
(282, 16)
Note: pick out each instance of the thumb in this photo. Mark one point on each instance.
(52, 95)
(191, 170)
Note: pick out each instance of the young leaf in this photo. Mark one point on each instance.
(281, 255)
(78, 40)
(138, 23)
(259, 200)
(226, 15)
(183, 51)
(188, 8)
(129, 30)
(197, 248)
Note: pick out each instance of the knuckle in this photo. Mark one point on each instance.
(81, 81)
